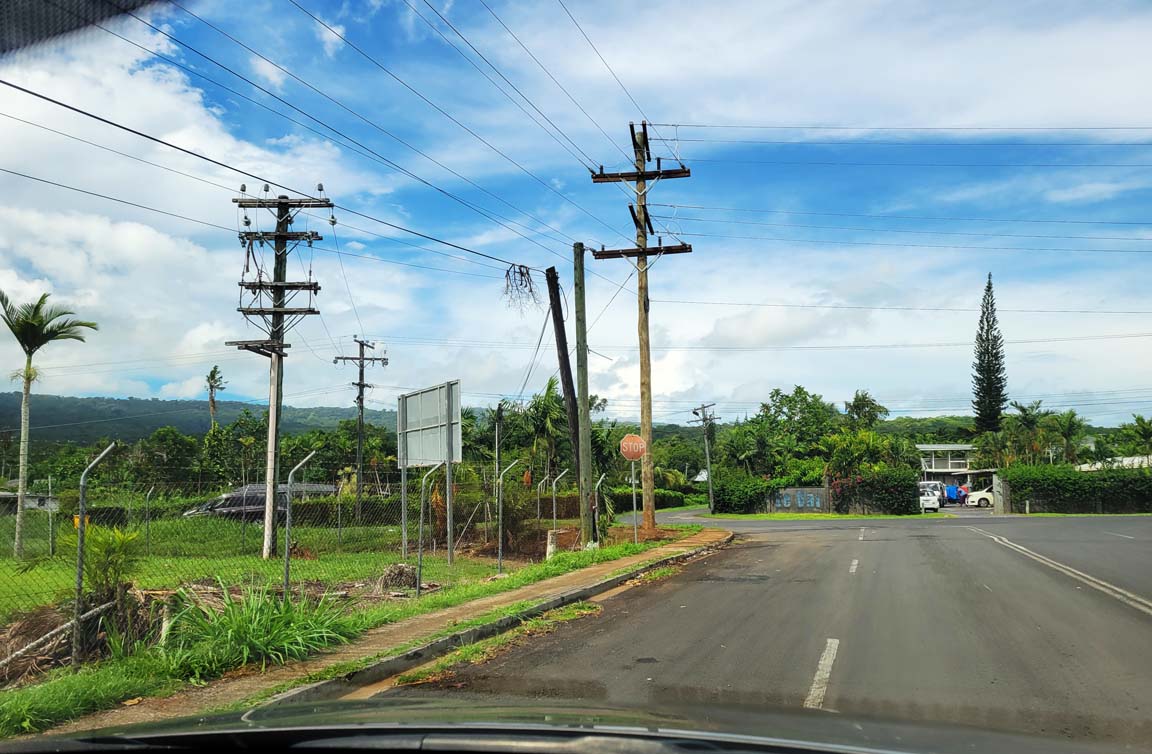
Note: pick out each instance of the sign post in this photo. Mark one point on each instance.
(428, 434)
(633, 448)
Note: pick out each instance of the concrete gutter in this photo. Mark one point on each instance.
(390, 666)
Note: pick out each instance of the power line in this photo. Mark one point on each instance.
(535, 352)
(876, 164)
(374, 124)
(782, 127)
(903, 217)
(373, 154)
(678, 218)
(245, 173)
(448, 115)
(555, 80)
(919, 245)
(897, 308)
(874, 142)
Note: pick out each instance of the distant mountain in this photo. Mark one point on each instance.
(61, 417)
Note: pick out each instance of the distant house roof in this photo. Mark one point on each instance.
(946, 446)
(701, 477)
(1123, 462)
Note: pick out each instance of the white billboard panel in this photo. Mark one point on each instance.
(424, 419)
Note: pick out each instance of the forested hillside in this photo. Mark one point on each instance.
(60, 417)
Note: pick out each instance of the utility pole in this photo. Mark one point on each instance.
(360, 384)
(584, 454)
(643, 223)
(554, 302)
(269, 310)
(706, 420)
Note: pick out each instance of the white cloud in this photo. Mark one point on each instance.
(270, 73)
(331, 41)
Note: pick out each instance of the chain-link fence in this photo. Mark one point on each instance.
(161, 537)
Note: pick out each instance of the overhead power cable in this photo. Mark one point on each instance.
(245, 173)
(940, 218)
(547, 186)
(371, 153)
(862, 307)
(848, 142)
(816, 241)
(904, 164)
(782, 127)
(679, 218)
(374, 124)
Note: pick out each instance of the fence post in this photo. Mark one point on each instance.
(81, 526)
(51, 521)
(420, 528)
(500, 517)
(148, 521)
(543, 482)
(288, 523)
(554, 481)
(596, 510)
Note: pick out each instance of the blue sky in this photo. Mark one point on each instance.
(822, 231)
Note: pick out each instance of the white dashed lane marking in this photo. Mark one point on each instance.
(815, 699)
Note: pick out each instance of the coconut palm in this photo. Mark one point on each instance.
(1028, 422)
(546, 416)
(1139, 433)
(1068, 428)
(34, 325)
(215, 383)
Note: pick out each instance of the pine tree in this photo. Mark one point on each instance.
(989, 383)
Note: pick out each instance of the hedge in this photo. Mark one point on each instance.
(664, 498)
(735, 492)
(1063, 489)
(887, 490)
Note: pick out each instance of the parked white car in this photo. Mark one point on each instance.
(981, 499)
(929, 501)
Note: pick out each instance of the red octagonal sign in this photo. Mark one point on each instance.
(633, 447)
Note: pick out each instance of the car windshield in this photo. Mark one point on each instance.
(546, 362)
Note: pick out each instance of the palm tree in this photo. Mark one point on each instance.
(1069, 428)
(1028, 420)
(1140, 433)
(215, 383)
(546, 415)
(34, 326)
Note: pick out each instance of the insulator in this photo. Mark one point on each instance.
(266, 188)
(247, 220)
(320, 187)
(243, 188)
(332, 220)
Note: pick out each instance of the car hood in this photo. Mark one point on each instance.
(728, 727)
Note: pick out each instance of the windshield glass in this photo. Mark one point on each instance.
(515, 359)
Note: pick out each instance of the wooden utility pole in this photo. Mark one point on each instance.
(706, 420)
(360, 384)
(643, 224)
(565, 365)
(269, 309)
(584, 464)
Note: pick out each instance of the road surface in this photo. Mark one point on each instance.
(1039, 626)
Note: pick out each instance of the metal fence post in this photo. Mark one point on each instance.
(148, 521)
(81, 527)
(288, 523)
(554, 481)
(51, 521)
(596, 510)
(543, 482)
(500, 517)
(420, 528)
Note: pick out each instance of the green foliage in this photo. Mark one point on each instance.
(863, 411)
(989, 378)
(664, 498)
(887, 490)
(739, 493)
(928, 428)
(258, 627)
(111, 557)
(853, 452)
(1063, 489)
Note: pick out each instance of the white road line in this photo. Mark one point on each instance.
(987, 587)
(815, 699)
(1114, 534)
(861, 534)
(852, 568)
(1123, 595)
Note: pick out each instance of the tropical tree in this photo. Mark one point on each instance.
(864, 411)
(989, 378)
(1138, 434)
(215, 383)
(546, 419)
(1068, 428)
(1026, 428)
(34, 325)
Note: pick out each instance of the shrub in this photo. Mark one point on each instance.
(664, 498)
(696, 498)
(1063, 489)
(890, 490)
(736, 492)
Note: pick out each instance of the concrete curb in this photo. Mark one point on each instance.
(396, 664)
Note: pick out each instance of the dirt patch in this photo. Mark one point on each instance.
(531, 544)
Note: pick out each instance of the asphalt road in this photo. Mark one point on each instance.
(1039, 626)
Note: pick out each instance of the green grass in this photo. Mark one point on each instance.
(62, 696)
(486, 649)
(818, 516)
(1076, 515)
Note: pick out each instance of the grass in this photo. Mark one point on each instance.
(62, 696)
(658, 574)
(819, 516)
(486, 649)
(1076, 515)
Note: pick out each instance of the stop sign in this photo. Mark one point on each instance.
(633, 447)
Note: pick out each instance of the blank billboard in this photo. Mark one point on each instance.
(423, 420)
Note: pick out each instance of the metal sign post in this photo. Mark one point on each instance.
(635, 518)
